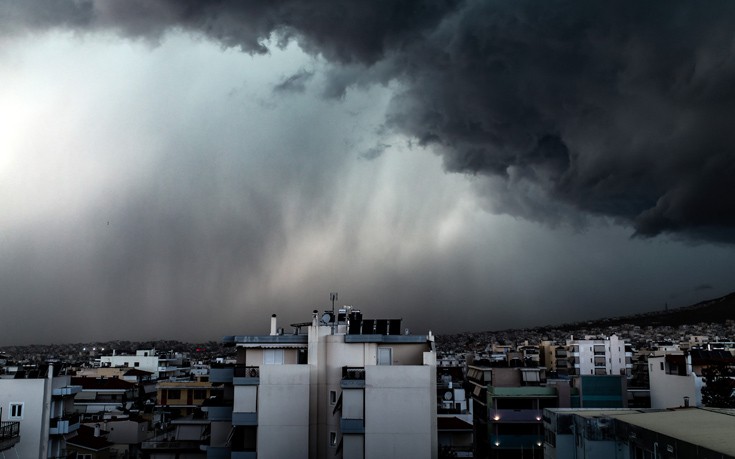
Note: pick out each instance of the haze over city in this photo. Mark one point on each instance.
(182, 170)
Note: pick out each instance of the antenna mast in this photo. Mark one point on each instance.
(333, 298)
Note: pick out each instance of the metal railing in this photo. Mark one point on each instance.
(9, 429)
(353, 373)
(242, 371)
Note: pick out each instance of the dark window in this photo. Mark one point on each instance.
(200, 394)
(174, 394)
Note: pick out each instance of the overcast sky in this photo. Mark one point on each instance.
(182, 170)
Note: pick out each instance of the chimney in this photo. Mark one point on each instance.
(274, 328)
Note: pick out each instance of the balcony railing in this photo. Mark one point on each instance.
(64, 424)
(353, 373)
(242, 371)
(9, 434)
(353, 377)
(245, 375)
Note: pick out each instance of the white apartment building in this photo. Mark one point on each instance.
(348, 388)
(600, 356)
(162, 366)
(44, 407)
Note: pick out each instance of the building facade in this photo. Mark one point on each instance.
(347, 388)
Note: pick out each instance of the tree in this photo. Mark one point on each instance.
(719, 391)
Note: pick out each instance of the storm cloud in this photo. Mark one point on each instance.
(620, 110)
(185, 169)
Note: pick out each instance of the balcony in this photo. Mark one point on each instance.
(171, 446)
(353, 377)
(523, 416)
(246, 376)
(526, 442)
(64, 424)
(352, 426)
(66, 391)
(9, 434)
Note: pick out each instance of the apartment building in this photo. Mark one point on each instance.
(43, 408)
(162, 366)
(600, 356)
(348, 387)
(508, 403)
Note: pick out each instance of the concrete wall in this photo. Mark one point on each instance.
(149, 363)
(125, 431)
(506, 377)
(353, 446)
(283, 414)
(407, 354)
(30, 393)
(668, 391)
(246, 399)
(353, 404)
(400, 412)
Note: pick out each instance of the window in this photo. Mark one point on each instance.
(84, 456)
(662, 366)
(200, 394)
(137, 364)
(385, 356)
(332, 438)
(174, 394)
(16, 410)
(332, 397)
(273, 357)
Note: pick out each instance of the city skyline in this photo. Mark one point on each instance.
(185, 171)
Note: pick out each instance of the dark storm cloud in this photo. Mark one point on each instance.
(622, 109)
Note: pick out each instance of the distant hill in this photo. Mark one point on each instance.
(716, 310)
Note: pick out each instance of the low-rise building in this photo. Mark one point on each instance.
(691, 433)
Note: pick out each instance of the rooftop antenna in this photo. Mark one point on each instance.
(333, 299)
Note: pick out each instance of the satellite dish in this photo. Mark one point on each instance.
(327, 317)
(448, 395)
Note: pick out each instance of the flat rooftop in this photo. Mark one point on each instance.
(709, 428)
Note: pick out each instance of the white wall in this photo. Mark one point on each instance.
(283, 412)
(668, 391)
(400, 412)
(30, 393)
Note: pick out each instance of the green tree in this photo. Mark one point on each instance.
(719, 391)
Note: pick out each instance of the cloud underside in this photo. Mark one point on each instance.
(620, 110)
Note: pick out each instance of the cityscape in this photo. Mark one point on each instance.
(345, 385)
(391, 229)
